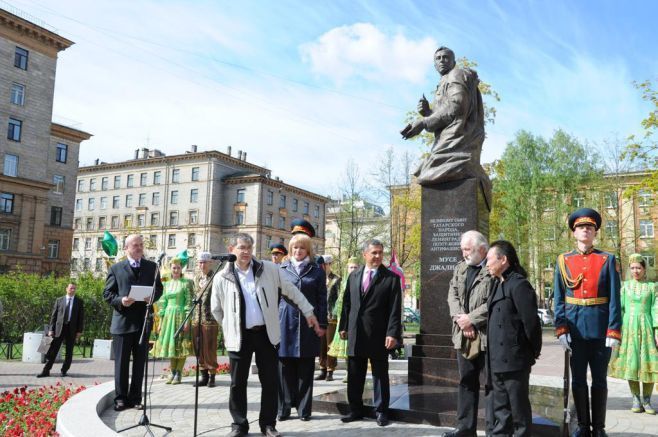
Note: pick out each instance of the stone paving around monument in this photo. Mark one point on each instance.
(174, 405)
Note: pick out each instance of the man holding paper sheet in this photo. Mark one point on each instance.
(128, 318)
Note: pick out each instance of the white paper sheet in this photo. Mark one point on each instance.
(140, 292)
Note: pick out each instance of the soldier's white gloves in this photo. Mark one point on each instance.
(565, 342)
(612, 342)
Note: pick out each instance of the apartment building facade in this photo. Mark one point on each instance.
(192, 201)
(39, 158)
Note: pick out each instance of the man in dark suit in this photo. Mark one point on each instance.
(128, 318)
(66, 325)
(370, 321)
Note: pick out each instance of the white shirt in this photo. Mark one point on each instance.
(253, 313)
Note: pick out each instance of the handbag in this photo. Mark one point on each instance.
(471, 347)
(44, 346)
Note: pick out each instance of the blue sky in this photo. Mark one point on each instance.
(305, 86)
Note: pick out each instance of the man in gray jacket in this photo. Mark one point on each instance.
(245, 301)
(467, 300)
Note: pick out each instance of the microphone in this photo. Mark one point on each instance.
(225, 257)
(160, 258)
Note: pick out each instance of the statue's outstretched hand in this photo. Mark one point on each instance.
(412, 129)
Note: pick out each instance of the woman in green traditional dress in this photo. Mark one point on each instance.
(338, 346)
(174, 304)
(637, 360)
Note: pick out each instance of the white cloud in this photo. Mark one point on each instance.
(362, 49)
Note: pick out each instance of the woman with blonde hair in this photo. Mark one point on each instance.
(637, 358)
(300, 345)
(174, 304)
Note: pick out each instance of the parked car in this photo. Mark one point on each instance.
(545, 316)
(410, 316)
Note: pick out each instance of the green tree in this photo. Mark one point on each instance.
(537, 183)
(643, 149)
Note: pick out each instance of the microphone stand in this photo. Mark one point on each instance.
(143, 342)
(198, 338)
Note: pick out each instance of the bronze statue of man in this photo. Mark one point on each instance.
(456, 119)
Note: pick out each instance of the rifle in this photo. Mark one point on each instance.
(567, 413)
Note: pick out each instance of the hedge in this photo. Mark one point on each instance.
(28, 300)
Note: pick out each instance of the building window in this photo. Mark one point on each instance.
(77, 224)
(644, 198)
(268, 219)
(20, 58)
(103, 202)
(81, 185)
(142, 199)
(650, 260)
(99, 264)
(306, 206)
(282, 222)
(174, 197)
(115, 222)
(55, 216)
(610, 199)
(58, 181)
(99, 243)
(87, 243)
(78, 204)
(295, 205)
(195, 174)
(53, 249)
(141, 220)
(239, 217)
(156, 177)
(646, 229)
(117, 182)
(102, 223)
(194, 195)
(129, 200)
(171, 240)
(156, 199)
(193, 217)
(17, 94)
(268, 241)
(130, 182)
(86, 264)
(240, 195)
(61, 152)
(76, 244)
(175, 176)
(142, 179)
(173, 218)
(191, 240)
(270, 197)
(91, 204)
(92, 184)
(6, 203)
(153, 239)
(316, 212)
(14, 130)
(578, 200)
(116, 202)
(11, 165)
(611, 228)
(74, 264)
(155, 218)
(128, 221)
(105, 183)
(282, 201)
(89, 224)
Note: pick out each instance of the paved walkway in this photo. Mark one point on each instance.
(174, 405)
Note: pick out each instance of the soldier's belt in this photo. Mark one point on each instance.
(587, 302)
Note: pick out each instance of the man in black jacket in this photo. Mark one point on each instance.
(514, 341)
(128, 318)
(66, 325)
(371, 323)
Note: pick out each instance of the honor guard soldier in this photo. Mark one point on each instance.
(278, 251)
(588, 317)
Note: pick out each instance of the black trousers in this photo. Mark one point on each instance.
(511, 403)
(267, 361)
(296, 385)
(125, 346)
(357, 368)
(469, 392)
(67, 336)
(594, 354)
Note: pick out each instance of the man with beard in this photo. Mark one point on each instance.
(467, 300)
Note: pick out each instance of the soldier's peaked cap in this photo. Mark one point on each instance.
(585, 216)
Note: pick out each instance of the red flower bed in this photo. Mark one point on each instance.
(33, 412)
